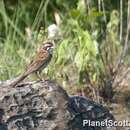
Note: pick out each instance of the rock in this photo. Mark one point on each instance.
(121, 85)
(44, 105)
(86, 109)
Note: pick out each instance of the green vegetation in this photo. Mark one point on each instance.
(93, 37)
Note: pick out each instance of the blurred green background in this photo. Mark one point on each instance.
(93, 37)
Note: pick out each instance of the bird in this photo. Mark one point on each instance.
(39, 62)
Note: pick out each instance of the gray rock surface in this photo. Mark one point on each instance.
(46, 106)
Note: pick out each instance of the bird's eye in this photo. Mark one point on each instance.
(47, 48)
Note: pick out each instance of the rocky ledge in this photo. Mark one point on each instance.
(45, 105)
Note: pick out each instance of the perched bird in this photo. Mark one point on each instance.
(39, 62)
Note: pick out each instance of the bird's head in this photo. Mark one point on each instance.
(48, 46)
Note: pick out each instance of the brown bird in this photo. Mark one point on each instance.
(39, 62)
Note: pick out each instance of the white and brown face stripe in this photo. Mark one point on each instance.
(48, 46)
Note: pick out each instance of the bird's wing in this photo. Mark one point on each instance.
(40, 60)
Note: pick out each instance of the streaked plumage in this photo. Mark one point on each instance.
(39, 62)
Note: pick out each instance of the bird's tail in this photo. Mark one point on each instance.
(18, 80)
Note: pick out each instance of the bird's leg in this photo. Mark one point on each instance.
(38, 74)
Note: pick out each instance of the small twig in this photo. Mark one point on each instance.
(57, 18)
(99, 5)
(87, 6)
(128, 29)
(103, 8)
(121, 20)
